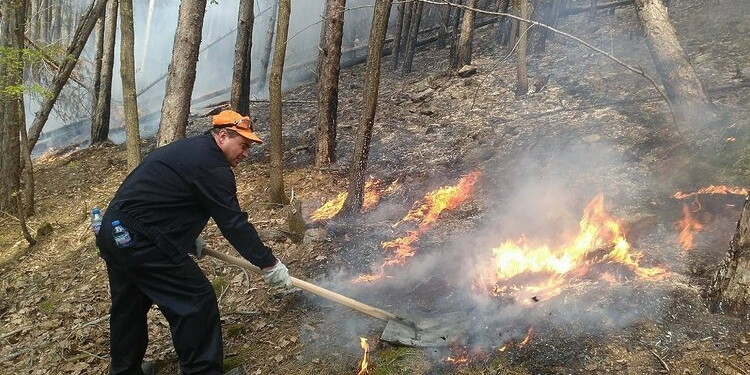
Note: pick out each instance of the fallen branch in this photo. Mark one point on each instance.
(664, 364)
(11, 333)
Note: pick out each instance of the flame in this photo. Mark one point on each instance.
(521, 344)
(688, 228)
(425, 213)
(712, 189)
(373, 193)
(532, 273)
(365, 357)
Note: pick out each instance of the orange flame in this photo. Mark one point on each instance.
(365, 357)
(600, 240)
(373, 193)
(688, 228)
(521, 344)
(712, 189)
(426, 213)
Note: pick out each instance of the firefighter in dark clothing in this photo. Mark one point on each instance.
(164, 204)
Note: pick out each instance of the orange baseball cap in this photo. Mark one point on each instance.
(232, 120)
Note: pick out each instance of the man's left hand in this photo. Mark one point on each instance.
(197, 249)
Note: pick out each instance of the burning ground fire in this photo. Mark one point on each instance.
(689, 225)
(529, 274)
(425, 213)
(373, 192)
(365, 357)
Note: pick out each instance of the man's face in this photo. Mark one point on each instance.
(235, 149)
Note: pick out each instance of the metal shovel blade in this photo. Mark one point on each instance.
(430, 332)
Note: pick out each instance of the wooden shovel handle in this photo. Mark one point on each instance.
(314, 289)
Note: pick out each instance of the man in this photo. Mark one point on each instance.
(164, 204)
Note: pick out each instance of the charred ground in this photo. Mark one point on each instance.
(594, 128)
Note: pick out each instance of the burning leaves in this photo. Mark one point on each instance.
(365, 356)
(373, 192)
(689, 225)
(424, 213)
(530, 273)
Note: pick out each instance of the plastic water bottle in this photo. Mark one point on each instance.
(96, 220)
(121, 235)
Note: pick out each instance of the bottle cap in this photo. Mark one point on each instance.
(95, 210)
(116, 223)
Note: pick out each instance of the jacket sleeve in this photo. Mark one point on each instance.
(217, 192)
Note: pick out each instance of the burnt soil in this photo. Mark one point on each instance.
(594, 128)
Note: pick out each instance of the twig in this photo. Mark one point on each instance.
(730, 363)
(664, 364)
(11, 333)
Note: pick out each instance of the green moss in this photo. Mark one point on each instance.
(234, 330)
(219, 283)
(46, 307)
(399, 360)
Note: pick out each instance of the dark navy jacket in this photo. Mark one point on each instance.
(171, 195)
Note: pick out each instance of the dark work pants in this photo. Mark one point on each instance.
(142, 275)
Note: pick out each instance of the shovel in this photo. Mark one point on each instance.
(398, 330)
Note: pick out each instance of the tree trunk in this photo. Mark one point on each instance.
(467, 32)
(12, 117)
(400, 36)
(729, 292)
(328, 85)
(411, 43)
(181, 76)
(127, 74)
(80, 38)
(98, 56)
(544, 11)
(101, 115)
(276, 183)
(266, 58)
(681, 84)
(240, 92)
(445, 17)
(454, 35)
(522, 79)
(355, 196)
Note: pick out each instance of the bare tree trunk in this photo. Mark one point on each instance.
(729, 292)
(355, 196)
(276, 183)
(101, 115)
(73, 52)
(328, 89)
(522, 79)
(445, 18)
(12, 117)
(181, 76)
(681, 83)
(402, 27)
(127, 74)
(467, 32)
(454, 35)
(544, 11)
(411, 44)
(240, 92)
(27, 209)
(263, 71)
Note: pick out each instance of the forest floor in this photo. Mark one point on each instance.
(593, 148)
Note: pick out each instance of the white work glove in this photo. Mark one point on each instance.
(278, 275)
(198, 248)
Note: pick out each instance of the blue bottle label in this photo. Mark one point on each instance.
(122, 237)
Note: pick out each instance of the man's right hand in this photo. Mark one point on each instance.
(277, 275)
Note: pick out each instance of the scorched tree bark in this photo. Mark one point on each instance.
(730, 290)
(101, 115)
(240, 94)
(328, 85)
(355, 196)
(683, 88)
(276, 188)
